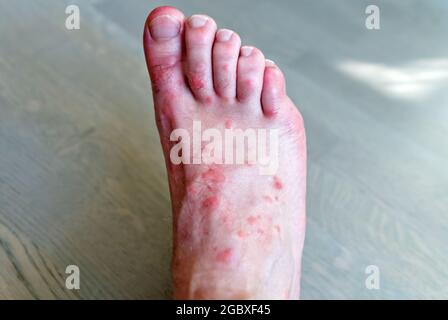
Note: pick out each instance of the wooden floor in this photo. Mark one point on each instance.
(82, 180)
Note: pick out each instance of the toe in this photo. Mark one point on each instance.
(199, 35)
(274, 94)
(225, 58)
(250, 75)
(162, 42)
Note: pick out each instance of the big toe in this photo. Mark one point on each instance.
(162, 41)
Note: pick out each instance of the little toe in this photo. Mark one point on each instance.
(274, 93)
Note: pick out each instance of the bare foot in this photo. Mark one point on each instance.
(238, 232)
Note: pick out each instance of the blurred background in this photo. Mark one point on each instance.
(82, 178)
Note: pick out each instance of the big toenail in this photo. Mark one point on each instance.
(223, 35)
(269, 63)
(197, 21)
(246, 51)
(164, 27)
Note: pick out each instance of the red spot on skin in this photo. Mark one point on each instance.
(160, 77)
(224, 255)
(213, 175)
(228, 124)
(252, 220)
(249, 84)
(211, 202)
(196, 82)
(267, 198)
(242, 233)
(208, 100)
(278, 183)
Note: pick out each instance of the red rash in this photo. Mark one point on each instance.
(192, 189)
(228, 124)
(224, 255)
(242, 234)
(211, 202)
(196, 83)
(213, 175)
(159, 77)
(208, 100)
(252, 220)
(278, 183)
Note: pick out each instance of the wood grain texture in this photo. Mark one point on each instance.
(82, 178)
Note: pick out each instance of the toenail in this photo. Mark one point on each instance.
(269, 63)
(164, 27)
(197, 21)
(246, 51)
(223, 35)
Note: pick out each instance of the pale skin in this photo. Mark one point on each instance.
(237, 234)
